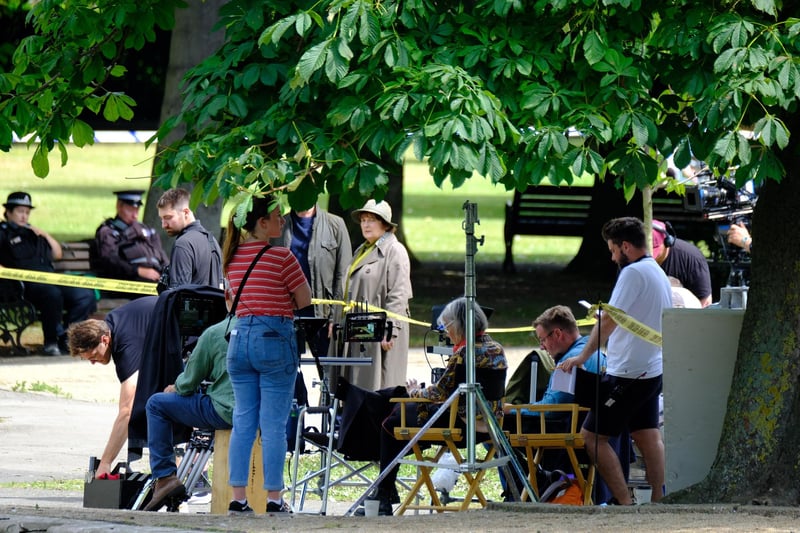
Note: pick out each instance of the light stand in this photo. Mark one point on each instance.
(472, 392)
(471, 388)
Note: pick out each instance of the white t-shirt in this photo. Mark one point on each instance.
(643, 292)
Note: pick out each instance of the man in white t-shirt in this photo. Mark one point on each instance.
(631, 387)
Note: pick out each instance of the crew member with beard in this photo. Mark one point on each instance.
(629, 397)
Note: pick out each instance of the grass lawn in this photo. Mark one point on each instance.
(73, 200)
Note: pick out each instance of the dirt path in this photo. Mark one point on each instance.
(49, 437)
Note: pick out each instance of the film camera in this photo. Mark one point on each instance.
(721, 201)
(718, 198)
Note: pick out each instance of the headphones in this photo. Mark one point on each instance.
(668, 232)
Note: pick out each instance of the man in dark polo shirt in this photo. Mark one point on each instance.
(119, 337)
(196, 258)
(683, 261)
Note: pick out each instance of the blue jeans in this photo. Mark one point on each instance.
(167, 408)
(262, 364)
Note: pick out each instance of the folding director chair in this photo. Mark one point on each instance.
(566, 438)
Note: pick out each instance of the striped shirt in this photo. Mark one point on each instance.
(269, 287)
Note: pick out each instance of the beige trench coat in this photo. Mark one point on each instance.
(382, 279)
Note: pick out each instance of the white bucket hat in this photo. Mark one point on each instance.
(382, 210)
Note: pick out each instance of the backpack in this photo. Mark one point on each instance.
(563, 491)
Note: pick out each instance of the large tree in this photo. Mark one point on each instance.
(329, 95)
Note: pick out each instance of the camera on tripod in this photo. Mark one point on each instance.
(721, 201)
(718, 198)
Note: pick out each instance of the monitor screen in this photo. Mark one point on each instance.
(196, 313)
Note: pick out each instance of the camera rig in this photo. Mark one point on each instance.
(722, 202)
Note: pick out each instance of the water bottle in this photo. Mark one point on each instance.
(291, 425)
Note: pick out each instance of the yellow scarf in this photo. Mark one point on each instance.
(364, 253)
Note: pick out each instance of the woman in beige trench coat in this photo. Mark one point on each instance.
(380, 275)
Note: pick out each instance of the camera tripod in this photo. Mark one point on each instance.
(473, 394)
(190, 471)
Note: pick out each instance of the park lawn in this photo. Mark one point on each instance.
(73, 200)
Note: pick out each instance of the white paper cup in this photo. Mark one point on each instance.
(371, 507)
(643, 494)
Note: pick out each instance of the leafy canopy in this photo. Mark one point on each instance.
(305, 97)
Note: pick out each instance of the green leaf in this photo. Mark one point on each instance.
(111, 109)
(593, 48)
(274, 33)
(251, 75)
(237, 106)
(400, 107)
(639, 129)
(369, 30)
(312, 60)
(725, 146)
(216, 104)
(622, 125)
(39, 163)
(82, 133)
(744, 152)
(683, 153)
(302, 24)
(767, 6)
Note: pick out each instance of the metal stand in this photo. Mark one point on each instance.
(190, 471)
(354, 474)
(506, 458)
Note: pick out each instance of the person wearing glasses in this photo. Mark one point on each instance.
(491, 366)
(558, 334)
(380, 275)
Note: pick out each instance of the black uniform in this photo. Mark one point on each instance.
(121, 248)
(21, 248)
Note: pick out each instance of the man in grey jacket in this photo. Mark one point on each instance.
(321, 244)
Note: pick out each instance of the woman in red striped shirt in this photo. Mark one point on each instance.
(262, 354)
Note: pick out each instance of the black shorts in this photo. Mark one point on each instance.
(634, 406)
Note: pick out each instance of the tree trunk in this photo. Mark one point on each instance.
(758, 452)
(192, 42)
(592, 259)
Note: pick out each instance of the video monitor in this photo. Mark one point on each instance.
(196, 313)
(364, 327)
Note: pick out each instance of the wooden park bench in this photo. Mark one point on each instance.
(564, 212)
(17, 313)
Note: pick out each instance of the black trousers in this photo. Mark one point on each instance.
(51, 301)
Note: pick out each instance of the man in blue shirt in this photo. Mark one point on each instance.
(559, 335)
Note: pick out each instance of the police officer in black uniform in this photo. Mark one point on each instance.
(30, 248)
(126, 248)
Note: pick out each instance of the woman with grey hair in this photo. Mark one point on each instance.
(490, 369)
(380, 276)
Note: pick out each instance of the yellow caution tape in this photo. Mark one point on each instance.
(528, 329)
(628, 323)
(85, 282)
(140, 287)
(367, 308)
